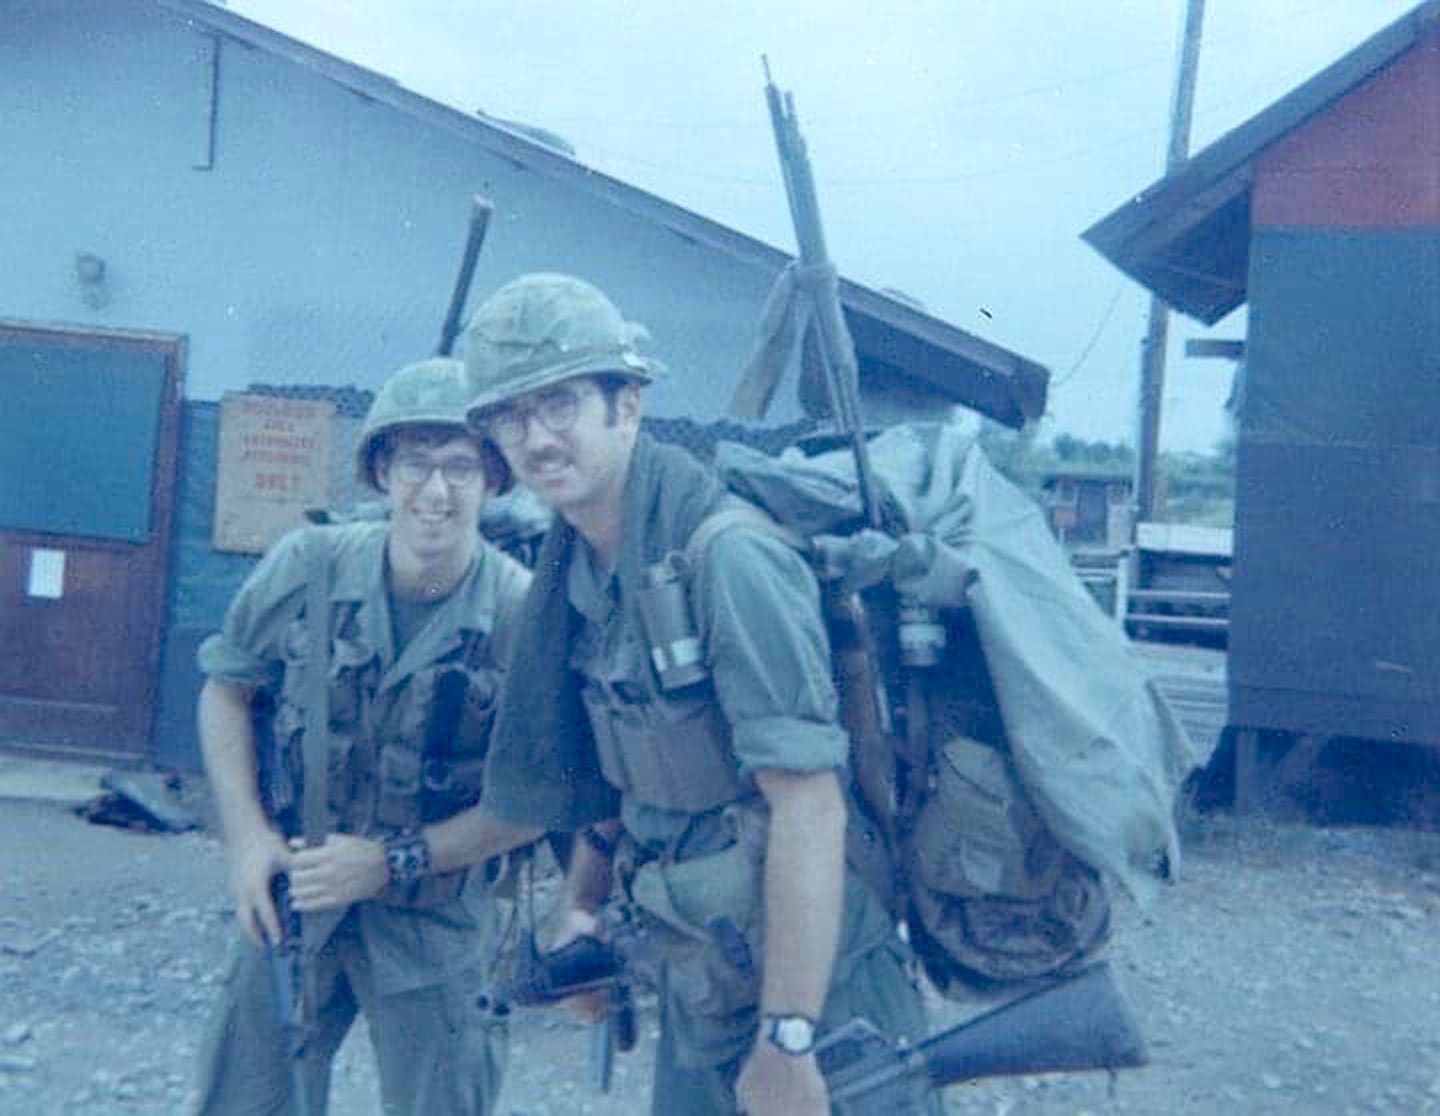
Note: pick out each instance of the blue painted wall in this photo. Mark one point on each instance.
(296, 232)
(1335, 610)
(314, 236)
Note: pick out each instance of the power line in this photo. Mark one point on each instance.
(853, 183)
(1094, 338)
(757, 122)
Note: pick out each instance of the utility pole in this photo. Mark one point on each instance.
(1152, 352)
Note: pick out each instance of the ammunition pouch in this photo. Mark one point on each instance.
(432, 764)
(424, 762)
(670, 750)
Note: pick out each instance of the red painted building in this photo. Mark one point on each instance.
(1323, 213)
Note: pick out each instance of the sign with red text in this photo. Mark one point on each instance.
(273, 464)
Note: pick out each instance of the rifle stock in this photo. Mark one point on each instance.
(585, 964)
(1078, 1024)
(1074, 1025)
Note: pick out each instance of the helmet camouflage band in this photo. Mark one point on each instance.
(433, 393)
(542, 328)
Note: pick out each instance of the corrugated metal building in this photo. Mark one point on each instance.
(192, 203)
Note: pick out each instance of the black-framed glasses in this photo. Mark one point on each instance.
(414, 469)
(556, 409)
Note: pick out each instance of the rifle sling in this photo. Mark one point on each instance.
(315, 818)
(315, 751)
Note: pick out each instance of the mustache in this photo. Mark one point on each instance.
(545, 457)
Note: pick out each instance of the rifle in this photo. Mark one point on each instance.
(291, 960)
(480, 211)
(885, 787)
(837, 349)
(585, 964)
(285, 960)
(1072, 1024)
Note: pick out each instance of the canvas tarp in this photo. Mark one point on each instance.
(1096, 747)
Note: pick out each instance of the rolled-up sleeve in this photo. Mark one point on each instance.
(247, 647)
(758, 609)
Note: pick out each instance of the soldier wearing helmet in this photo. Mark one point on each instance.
(420, 613)
(722, 778)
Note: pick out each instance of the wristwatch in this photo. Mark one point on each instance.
(407, 856)
(793, 1034)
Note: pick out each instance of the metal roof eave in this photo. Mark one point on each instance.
(1003, 386)
(1153, 236)
(968, 360)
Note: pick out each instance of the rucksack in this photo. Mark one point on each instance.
(956, 829)
(944, 834)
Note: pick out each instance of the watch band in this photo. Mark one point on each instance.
(407, 856)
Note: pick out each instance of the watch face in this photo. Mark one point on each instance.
(793, 1034)
(407, 857)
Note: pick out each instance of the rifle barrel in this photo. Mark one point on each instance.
(842, 379)
(480, 210)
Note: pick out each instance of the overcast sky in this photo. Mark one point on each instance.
(960, 147)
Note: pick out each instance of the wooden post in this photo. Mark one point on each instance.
(1247, 770)
(1152, 353)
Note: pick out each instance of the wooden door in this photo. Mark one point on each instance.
(88, 429)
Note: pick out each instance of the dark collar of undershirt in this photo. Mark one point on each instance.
(408, 615)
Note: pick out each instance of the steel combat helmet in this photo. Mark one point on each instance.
(432, 392)
(542, 328)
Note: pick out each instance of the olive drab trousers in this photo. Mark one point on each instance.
(438, 1053)
(877, 988)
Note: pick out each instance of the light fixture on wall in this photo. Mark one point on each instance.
(90, 274)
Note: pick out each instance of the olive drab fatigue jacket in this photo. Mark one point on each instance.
(409, 730)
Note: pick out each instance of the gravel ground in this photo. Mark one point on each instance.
(1292, 970)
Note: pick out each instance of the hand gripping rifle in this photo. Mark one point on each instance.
(585, 964)
(1073, 1024)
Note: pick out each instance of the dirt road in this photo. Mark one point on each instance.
(1292, 970)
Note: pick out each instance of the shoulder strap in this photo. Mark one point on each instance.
(315, 928)
(737, 512)
(315, 818)
(872, 749)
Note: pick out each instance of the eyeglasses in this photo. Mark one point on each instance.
(414, 469)
(555, 409)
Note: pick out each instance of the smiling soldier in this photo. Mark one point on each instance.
(417, 610)
(717, 768)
